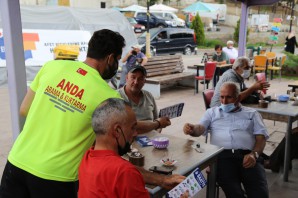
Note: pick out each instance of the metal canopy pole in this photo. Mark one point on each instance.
(243, 29)
(15, 62)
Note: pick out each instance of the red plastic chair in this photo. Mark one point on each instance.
(232, 60)
(207, 96)
(209, 71)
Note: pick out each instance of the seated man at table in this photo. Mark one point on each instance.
(219, 56)
(142, 101)
(242, 133)
(241, 70)
(102, 172)
(230, 50)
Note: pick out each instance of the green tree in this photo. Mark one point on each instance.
(198, 27)
(236, 33)
(152, 2)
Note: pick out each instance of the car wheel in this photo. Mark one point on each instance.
(160, 26)
(152, 52)
(187, 51)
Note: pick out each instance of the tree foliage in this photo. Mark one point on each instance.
(236, 33)
(198, 27)
(292, 60)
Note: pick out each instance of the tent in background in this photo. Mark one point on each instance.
(199, 7)
(162, 7)
(68, 18)
(133, 8)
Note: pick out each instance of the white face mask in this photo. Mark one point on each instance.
(245, 74)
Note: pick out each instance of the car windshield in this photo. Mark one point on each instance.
(132, 20)
(153, 32)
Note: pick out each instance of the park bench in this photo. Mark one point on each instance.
(164, 71)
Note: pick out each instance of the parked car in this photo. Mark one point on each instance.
(170, 16)
(154, 21)
(138, 28)
(170, 41)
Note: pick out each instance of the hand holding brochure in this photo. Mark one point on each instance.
(172, 111)
(193, 183)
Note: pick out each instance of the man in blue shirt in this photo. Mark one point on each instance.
(133, 58)
(242, 133)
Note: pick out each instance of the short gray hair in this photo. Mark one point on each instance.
(230, 42)
(234, 85)
(108, 112)
(240, 61)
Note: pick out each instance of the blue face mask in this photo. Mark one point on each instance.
(227, 107)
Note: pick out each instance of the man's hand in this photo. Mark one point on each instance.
(188, 128)
(249, 160)
(259, 85)
(171, 181)
(164, 122)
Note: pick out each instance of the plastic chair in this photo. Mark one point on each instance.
(209, 71)
(207, 96)
(232, 60)
(278, 68)
(271, 56)
(260, 63)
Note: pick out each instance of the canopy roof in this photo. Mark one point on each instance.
(162, 7)
(199, 7)
(133, 8)
(69, 18)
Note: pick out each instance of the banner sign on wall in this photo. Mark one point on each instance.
(39, 44)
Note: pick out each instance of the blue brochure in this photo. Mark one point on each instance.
(143, 141)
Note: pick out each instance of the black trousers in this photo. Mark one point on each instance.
(17, 183)
(277, 157)
(231, 176)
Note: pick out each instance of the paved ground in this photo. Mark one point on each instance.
(193, 111)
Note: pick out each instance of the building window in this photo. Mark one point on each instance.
(102, 4)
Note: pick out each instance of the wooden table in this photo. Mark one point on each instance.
(217, 71)
(283, 112)
(188, 159)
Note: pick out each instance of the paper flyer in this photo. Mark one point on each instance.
(172, 111)
(193, 183)
(143, 141)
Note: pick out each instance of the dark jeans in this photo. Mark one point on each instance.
(231, 176)
(17, 183)
(277, 157)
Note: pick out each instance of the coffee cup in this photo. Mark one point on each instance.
(263, 103)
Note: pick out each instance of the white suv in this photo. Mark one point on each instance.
(171, 16)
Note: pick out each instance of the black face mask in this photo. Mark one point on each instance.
(126, 149)
(111, 70)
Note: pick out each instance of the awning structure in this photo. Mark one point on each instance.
(245, 4)
(133, 8)
(199, 7)
(162, 7)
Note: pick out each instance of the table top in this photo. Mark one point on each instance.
(219, 66)
(179, 149)
(293, 85)
(279, 108)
